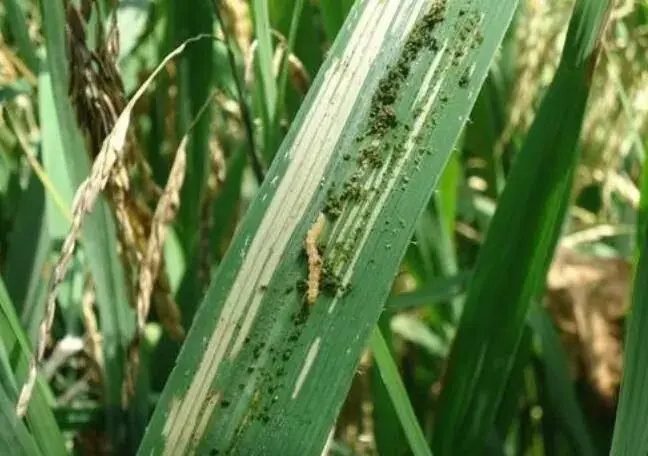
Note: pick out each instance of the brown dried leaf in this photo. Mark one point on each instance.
(164, 214)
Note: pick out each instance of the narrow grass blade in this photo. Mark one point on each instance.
(559, 385)
(263, 34)
(99, 235)
(631, 426)
(413, 330)
(512, 263)
(17, 22)
(446, 200)
(39, 414)
(283, 71)
(160, 103)
(390, 439)
(642, 212)
(19, 437)
(29, 247)
(262, 371)
(263, 63)
(509, 408)
(488, 121)
(420, 257)
(432, 292)
(308, 32)
(396, 390)
(58, 206)
(15, 439)
(226, 203)
(195, 80)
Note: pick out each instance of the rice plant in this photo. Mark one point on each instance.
(288, 227)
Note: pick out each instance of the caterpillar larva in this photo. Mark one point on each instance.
(314, 260)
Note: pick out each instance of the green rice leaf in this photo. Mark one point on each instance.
(398, 395)
(631, 426)
(263, 371)
(513, 261)
(40, 419)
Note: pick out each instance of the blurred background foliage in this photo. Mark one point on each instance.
(570, 360)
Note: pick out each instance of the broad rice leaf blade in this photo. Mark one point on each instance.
(99, 234)
(512, 263)
(262, 371)
(39, 416)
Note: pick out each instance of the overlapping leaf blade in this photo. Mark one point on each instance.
(39, 417)
(513, 261)
(263, 372)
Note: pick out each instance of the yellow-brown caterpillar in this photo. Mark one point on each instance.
(314, 259)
